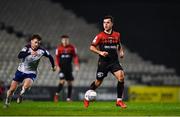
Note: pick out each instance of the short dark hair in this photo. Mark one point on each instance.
(36, 36)
(64, 36)
(109, 17)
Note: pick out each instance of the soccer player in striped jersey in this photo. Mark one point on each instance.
(107, 45)
(30, 56)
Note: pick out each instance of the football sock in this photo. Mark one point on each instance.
(93, 86)
(69, 91)
(119, 99)
(8, 96)
(60, 86)
(9, 93)
(120, 89)
(22, 91)
(7, 100)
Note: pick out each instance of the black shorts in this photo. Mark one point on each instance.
(66, 75)
(105, 67)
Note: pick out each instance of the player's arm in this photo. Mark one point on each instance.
(121, 50)
(47, 54)
(97, 51)
(94, 45)
(76, 59)
(23, 53)
(57, 60)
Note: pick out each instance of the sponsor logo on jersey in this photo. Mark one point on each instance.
(65, 56)
(110, 47)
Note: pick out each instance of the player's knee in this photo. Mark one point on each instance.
(69, 83)
(62, 82)
(121, 76)
(26, 87)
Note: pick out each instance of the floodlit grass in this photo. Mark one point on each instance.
(97, 108)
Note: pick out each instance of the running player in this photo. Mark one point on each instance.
(107, 45)
(65, 53)
(30, 56)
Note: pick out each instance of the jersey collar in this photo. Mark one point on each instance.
(107, 33)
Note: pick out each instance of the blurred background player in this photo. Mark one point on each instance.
(65, 52)
(107, 45)
(30, 56)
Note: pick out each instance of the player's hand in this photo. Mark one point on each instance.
(54, 68)
(103, 53)
(77, 68)
(121, 53)
(34, 53)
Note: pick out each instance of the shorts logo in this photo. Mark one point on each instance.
(100, 74)
(61, 75)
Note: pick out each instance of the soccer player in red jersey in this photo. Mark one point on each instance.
(65, 53)
(107, 45)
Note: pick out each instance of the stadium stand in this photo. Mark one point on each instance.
(52, 20)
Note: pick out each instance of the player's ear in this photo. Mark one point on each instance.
(39, 42)
(31, 40)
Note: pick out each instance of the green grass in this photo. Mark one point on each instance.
(97, 108)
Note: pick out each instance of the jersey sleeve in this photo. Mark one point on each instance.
(96, 40)
(23, 53)
(24, 49)
(48, 55)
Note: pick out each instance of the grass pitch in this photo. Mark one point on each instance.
(97, 108)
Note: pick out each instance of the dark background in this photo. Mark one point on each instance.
(150, 28)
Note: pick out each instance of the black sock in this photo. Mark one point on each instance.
(60, 86)
(69, 91)
(120, 89)
(93, 86)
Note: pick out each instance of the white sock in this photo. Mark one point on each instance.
(8, 94)
(22, 91)
(119, 99)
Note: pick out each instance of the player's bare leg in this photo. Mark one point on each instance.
(70, 85)
(95, 84)
(120, 88)
(60, 87)
(26, 85)
(10, 92)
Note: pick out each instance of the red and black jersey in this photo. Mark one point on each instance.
(65, 55)
(109, 43)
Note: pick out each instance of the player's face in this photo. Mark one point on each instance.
(65, 41)
(35, 43)
(107, 24)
